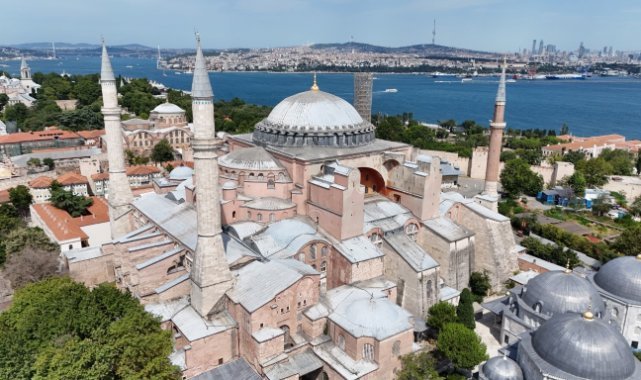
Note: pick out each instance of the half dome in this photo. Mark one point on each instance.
(254, 158)
(621, 277)
(313, 118)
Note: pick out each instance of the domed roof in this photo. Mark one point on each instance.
(621, 277)
(584, 347)
(181, 173)
(559, 292)
(311, 118)
(255, 158)
(373, 317)
(229, 185)
(168, 108)
(502, 368)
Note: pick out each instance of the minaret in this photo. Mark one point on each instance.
(496, 138)
(25, 71)
(120, 195)
(210, 275)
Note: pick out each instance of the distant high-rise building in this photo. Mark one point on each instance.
(533, 51)
(610, 51)
(581, 50)
(540, 47)
(363, 95)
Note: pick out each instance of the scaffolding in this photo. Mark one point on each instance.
(363, 95)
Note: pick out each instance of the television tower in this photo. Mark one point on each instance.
(434, 33)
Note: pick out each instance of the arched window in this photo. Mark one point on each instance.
(368, 352)
(272, 217)
(324, 251)
(341, 342)
(376, 239)
(233, 214)
(323, 266)
(259, 217)
(301, 256)
(249, 215)
(615, 312)
(537, 307)
(396, 348)
(260, 176)
(312, 251)
(271, 184)
(281, 176)
(411, 230)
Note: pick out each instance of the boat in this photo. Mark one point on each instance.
(565, 76)
(392, 90)
(510, 81)
(177, 72)
(129, 66)
(466, 80)
(437, 74)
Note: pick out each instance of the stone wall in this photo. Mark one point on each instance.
(8, 183)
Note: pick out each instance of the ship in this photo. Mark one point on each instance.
(392, 90)
(565, 76)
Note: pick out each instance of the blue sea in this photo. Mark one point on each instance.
(589, 107)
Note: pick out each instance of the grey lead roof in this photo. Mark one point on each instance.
(411, 252)
(622, 278)
(585, 348)
(299, 364)
(238, 369)
(200, 86)
(447, 229)
(106, 72)
(502, 368)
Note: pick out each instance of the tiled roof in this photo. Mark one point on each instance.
(131, 171)
(40, 182)
(48, 134)
(91, 134)
(71, 178)
(64, 227)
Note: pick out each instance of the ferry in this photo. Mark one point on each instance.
(466, 80)
(129, 66)
(565, 76)
(392, 90)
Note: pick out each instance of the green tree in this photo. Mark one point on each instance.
(75, 205)
(594, 171)
(59, 329)
(465, 309)
(21, 199)
(574, 157)
(600, 206)
(577, 182)
(162, 151)
(635, 207)
(479, 284)
(461, 346)
(517, 178)
(4, 99)
(49, 162)
(621, 161)
(419, 366)
(17, 112)
(34, 161)
(565, 129)
(81, 119)
(629, 243)
(33, 237)
(440, 314)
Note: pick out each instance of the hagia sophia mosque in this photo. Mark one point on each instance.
(310, 249)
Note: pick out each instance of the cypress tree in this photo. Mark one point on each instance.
(465, 309)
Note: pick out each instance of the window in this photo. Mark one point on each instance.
(220, 361)
(324, 251)
(411, 230)
(271, 184)
(635, 344)
(323, 266)
(376, 239)
(537, 307)
(249, 215)
(312, 251)
(233, 214)
(260, 176)
(272, 217)
(260, 217)
(281, 177)
(301, 256)
(506, 339)
(396, 348)
(368, 352)
(614, 312)
(341, 342)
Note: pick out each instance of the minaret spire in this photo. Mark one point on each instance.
(120, 195)
(25, 71)
(497, 125)
(210, 275)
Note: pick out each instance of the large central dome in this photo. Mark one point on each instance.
(313, 118)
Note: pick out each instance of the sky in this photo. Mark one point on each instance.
(490, 25)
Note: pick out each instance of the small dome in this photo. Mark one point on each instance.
(255, 158)
(584, 347)
(313, 118)
(501, 368)
(559, 292)
(181, 173)
(621, 277)
(229, 185)
(373, 317)
(168, 108)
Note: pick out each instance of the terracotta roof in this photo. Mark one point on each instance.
(92, 134)
(131, 171)
(4, 196)
(176, 164)
(48, 134)
(64, 227)
(100, 176)
(40, 182)
(71, 178)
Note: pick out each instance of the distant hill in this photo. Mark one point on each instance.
(421, 49)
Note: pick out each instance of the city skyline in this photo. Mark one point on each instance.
(489, 25)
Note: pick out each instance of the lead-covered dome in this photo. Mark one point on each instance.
(558, 292)
(621, 277)
(181, 173)
(168, 108)
(585, 347)
(314, 118)
(501, 368)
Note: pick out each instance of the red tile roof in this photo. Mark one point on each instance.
(131, 171)
(50, 133)
(92, 134)
(71, 178)
(64, 227)
(40, 182)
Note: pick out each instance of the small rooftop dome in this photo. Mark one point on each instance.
(229, 185)
(181, 173)
(501, 368)
(621, 277)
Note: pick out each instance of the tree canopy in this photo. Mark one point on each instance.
(461, 346)
(629, 242)
(419, 366)
(479, 284)
(59, 329)
(517, 178)
(465, 309)
(75, 205)
(162, 151)
(21, 198)
(440, 314)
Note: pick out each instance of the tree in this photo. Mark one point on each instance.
(574, 156)
(162, 151)
(577, 182)
(34, 161)
(621, 161)
(600, 206)
(31, 237)
(480, 284)
(635, 207)
(419, 366)
(465, 310)
(75, 205)
(461, 346)
(59, 329)
(518, 178)
(17, 112)
(4, 99)
(565, 129)
(49, 162)
(628, 243)
(31, 265)
(594, 171)
(441, 314)
(84, 118)
(21, 199)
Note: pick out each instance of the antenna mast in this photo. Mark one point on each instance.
(434, 33)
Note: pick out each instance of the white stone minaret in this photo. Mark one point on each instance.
(25, 71)
(210, 275)
(497, 125)
(120, 195)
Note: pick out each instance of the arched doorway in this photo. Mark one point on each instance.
(373, 181)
